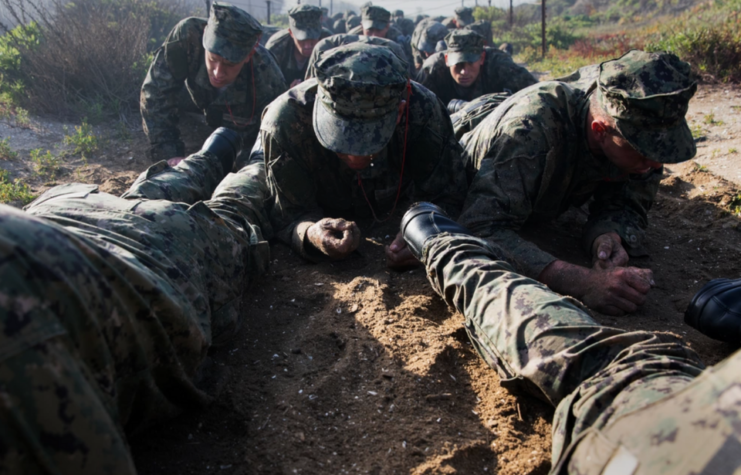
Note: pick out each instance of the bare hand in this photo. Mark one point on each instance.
(618, 290)
(174, 161)
(336, 238)
(398, 255)
(296, 82)
(608, 252)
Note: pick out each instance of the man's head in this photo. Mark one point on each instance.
(398, 14)
(465, 56)
(426, 35)
(305, 27)
(375, 21)
(230, 38)
(463, 16)
(360, 99)
(638, 111)
(483, 28)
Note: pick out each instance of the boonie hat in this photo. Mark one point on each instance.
(360, 87)
(230, 32)
(648, 95)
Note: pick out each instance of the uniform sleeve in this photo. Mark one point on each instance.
(294, 207)
(502, 196)
(159, 94)
(623, 207)
(429, 78)
(507, 73)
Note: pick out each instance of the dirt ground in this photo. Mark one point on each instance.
(351, 368)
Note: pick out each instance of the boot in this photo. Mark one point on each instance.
(423, 221)
(225, 144)
(715, 310)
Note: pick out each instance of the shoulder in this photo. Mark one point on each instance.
(435, 62)
(293, 107)
(495, 56)
(426, 108)
(279, 40)
(190, 29)
(358, 30)
(326, 33)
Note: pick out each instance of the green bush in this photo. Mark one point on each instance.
(13, 192)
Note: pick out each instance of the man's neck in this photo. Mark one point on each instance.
(300, 59)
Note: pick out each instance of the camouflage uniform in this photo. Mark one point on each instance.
(109, 305)
(305, 175)
(483, 28)
(533, 160)
(462, 18)
(626, 402)
(424, 39)
(305, 24)
(180, 61)
(497, 74)
(339, 40)
(377, 18)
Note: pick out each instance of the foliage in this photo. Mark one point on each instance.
(45, 163)
(84, 141)
(14, 191)
(7, 153)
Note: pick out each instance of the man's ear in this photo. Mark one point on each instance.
(402, 106)
(599, 128)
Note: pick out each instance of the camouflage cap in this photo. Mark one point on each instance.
(376, 18)
(483, 28)
(464, 46)
(648, 95)
(398, 13)
(352, 22)
(305, 22)
(427, 34)
(463, 16)
(230, 32)
(360, 89)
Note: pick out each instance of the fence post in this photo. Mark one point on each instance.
(543, 27)
(268, 2)
(511, 15)
(208, 8)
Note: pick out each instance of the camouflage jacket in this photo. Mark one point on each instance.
(344, 39)
(308, 182)
(497, 73)
(181, 61)
(392, 34)
(395, 35)
(282, 47)
(532, 161)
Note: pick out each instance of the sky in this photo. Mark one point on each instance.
(411, 7)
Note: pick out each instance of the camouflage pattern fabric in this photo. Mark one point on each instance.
(308, 182)
(267, 32)
(532, 161)
(375, 17)
(305, 21)
(405, 25)
(464, 46)
(339, 26)
(464, 16)
(470, 114)
(424, 39)
(393, 34)
(483, 28)
(109, 305)
(230, 32)
(282, 47)
(180, 62)
(335, 41)
(626, 402)
(497, 74)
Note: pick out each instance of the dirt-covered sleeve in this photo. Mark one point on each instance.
(293, 193)
(623, 207)
(159, 93)
(503, 194)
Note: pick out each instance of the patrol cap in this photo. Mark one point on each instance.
(463, 16)
(648, 95)
(430, 32)
(360, 87)
(375, 17)
(483, 28)
(398, 13)
(464, 46)
(230, 32)
(352, 22)
(305, 22)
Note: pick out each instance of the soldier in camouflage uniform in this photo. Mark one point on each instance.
(376, 21)
(462, 18)
(632, 403)
(108, 306)
(228, 76)
(350, 143)
(483, 28)
(467, 70)
(292, 47)
(338, 40)
(555, 145)
(424, 40)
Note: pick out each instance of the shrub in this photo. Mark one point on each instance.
(45, 163)
(15, 191)
(83, 140)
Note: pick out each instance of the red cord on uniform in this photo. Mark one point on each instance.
(403, 160)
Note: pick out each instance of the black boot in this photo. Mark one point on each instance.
(225, 144)
(715, 310)
(423, 221)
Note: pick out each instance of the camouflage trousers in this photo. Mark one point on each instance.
(109, 305)
(626, 402)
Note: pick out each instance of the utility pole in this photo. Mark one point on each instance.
(208, 8)
(511, 16)
(331, 7)
(268, 2)
(543, 26)
(489, 3)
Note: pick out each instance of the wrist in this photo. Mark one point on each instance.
(565, 278)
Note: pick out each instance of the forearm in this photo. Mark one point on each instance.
(565, 278)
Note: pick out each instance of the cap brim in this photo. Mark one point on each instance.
(664, 145)
(222, 47)
(456, 57)
(374, 25)
(306, 33)
(426, 46)
(352, 137)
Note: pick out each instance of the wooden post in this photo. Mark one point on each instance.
(268, 2)
(208, 8)
(543, 27)
(331, 7)
(511, 15)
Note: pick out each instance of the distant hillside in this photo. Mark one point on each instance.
(603, 10)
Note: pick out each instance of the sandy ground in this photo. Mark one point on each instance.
(352, 368)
